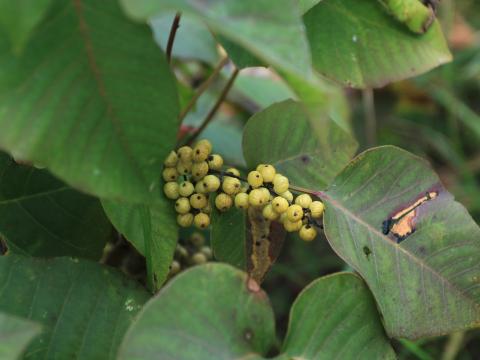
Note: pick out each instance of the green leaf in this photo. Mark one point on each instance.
(427, 284)
(41, 216)
(19, 18)
(271, 31)
(357, 43)
(15, 333)
(193, 40)
(208, 312)
(99, 108)
(335, 317)
(282, 135)
(130, 220)
(84, 308)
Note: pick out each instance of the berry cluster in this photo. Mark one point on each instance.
(264, 189)
(192, 252)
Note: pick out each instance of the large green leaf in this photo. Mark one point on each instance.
(19, 18)
(15, 333)
(272, 31)
(208, 312)
(428, 284)
(159, 237)
(84, 308)
(41, 216)
(92, 98)
(335, 318)
(215, 312)
(283, 135)
(357, 43)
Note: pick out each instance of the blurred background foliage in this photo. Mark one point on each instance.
(435, 115)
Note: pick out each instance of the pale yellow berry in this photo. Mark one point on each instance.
(280, 183)
(182, 205)
(232, 171)
(170, 174)
(201, 151)
(230, 185)
(223, 202)
(185, 154)
(200, 188)
(268, 172)
(307, 233)
(292, 226)
(185, 220)
(279, 205)
(171, 190)
(207, 251)
(199, 258)
(175, 268)
(199, 170)
(241, 201)
(269, 214)
(254, 179)
(184, 168)
(215, 162)
(201, 220)
(211, 183)
(287, 195)
(181, 251)
(304, 200)
(316, 209)
(259, 166)
(198, 201)
(171, 159)
(257, 198)
(295, 213)
(186, 188)
(266, 194)
(197, 239)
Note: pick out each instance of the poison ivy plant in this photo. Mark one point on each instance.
(180, 323)
(64, 102)
(15, 333)
(357, 43)
(153, 232)
(84, 308)
(42, 216)
(391, 219)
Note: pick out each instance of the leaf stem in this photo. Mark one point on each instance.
(171, 37)
(215, 107)
(201, 89)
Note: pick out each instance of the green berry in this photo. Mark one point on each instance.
(184, 168)
(292, 226)
(185, 154)
(280, 184)
(303, 200)
(241, 201)
(200, 188)
(197, 239)
(257, 198)
(185, 220)
(223, 202)
(207, 251)
(307, 233)
(279, 205)
(230, 185)
(215, 162)
(201, 220)
(233, 171)
(255, 179)
(182, 205)
(211, 183)
(199, 258)
(294, 213)
(171, 160)
(199, 170)
(170, 174)
(186, 188)
(201, 151)
(198, 201)
(171, 190)
(316, 209)
(268, 172)
(269, 214)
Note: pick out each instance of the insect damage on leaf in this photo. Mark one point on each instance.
(402, 223)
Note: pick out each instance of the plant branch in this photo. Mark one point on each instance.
(215, 107)
(201, 89)
(171, 37)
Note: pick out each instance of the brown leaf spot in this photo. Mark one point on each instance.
(253, 286)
